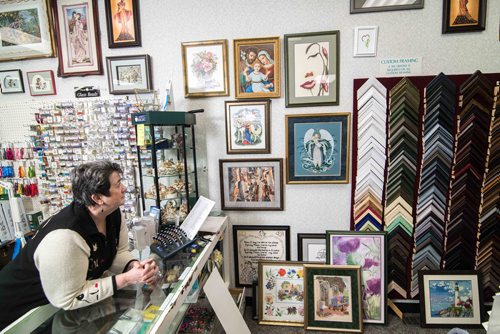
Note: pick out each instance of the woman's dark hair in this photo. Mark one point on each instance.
(92, 178)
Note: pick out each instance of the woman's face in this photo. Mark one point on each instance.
(310, 76)
(264, 60)
(117, 190)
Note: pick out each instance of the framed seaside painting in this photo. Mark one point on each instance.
(317, 147)
(127, 74)
(281, 293)
(463, 16)
(368, 250)
(365, 6)
(78, 42)
(257, 67)
(332, 298)
(32, 36)
(123, 21)
(248, 127)
(258, 242)
(312, 69)
(41, 83)
(311, 247)
(11, 81)
(205, 68)
(450, 298)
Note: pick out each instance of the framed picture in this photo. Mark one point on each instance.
(368, 250)
(332, 298)
(205, 68)
(317, 147)
(248, 127)
(463, 16)
(11, 81)
(311, 247)
(123, 20)
(126, 74)
(365, 41)
(281, 293)
(41, 83)
(257, 67)
(78, 42)
(312, 69)
(365, 6)
(257, 242)
(251, 184)
(450, 298)
(26, 28)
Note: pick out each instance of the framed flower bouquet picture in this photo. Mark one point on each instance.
(463, 16)
(257, 67)
(317, 147)
(123, 21)
(11, 81)
(368, 250)
(41, 83)
(281, 293)
(248, 127)
(128, 74)
(312, 69)
(205, 68)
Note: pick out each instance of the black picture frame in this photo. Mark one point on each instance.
(301, 242)
(11, 81)
(113, 22)
(255, 301)
(475, 20)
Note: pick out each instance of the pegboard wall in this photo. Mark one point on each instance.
(16, 119)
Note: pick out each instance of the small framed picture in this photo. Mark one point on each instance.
(41, 83)
(332, 299)
(463, 16)
(317, 147)
(205, 68)
(11, 81)
(257, 67)
(251, 184)
(258, 242)
(312, 69)
(281, 293)
(123, 21)
(127, 74)
(248, 127)
(365, 41)
(450, 298)
(366, 6)
(311, 247)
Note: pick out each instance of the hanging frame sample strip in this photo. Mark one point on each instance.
(437, 158)
(404, 104)
(474, 119)
(372, 142)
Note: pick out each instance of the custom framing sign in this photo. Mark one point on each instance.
(41, 83)
(366, 6)
(463, 16)
(128, 74)
(123, 21)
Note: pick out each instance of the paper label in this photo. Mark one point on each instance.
(403, 66)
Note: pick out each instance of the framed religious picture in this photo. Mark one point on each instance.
(41, 83)
(248, 127)
(312, 69)
(251, 184)
(257, 67)
(205, 68)
(123, 20)
(281, 293)
(365, 41)
(78, 42)
(332, 298)
(366, 6)
(11, 81)
(368, 250)
(450, 298)
(317, 147)
(311, 247)
(463, 16)
(127, 74)
(258, 242)
(26, 30)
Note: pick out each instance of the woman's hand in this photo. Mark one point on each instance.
(150, 269)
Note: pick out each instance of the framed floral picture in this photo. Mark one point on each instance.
(258, 242)
(78, 42)
(317, 147)
(123, 21)
(26, 30)
(281, 293)
(41, 83)
(128, 74)
(365, 41)
(311, 247)
(368, 250)
(332, 298)
(248, 127)
(312, 69)
(450, 298)
(257, 67)
(366, 6)
(251, 184)
(463, 16)
(11, 81)
(205, 68)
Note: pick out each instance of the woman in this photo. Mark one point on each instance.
(64, 262)
(79, 39)
(268, 64)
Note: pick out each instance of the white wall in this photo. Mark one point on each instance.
(166, 24)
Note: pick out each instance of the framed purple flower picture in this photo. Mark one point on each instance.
(368, 250)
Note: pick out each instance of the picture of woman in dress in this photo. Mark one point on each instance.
(123, 21)
(78, 37)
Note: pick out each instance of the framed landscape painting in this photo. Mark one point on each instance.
(128, 74)
(366, 6)
(123, 21)
(463, 16)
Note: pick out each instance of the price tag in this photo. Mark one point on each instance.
(140, 135)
